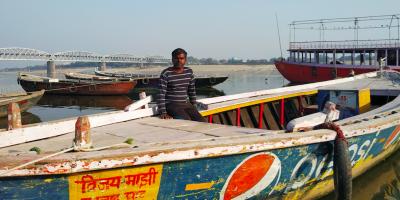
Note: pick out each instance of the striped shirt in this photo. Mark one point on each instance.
(176, 88)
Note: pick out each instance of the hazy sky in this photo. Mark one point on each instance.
(206, 28)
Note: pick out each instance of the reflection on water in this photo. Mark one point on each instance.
(86, 102)
(381, 182)
(26, 118)
(387, 175)
(209, 92)
(200, 92)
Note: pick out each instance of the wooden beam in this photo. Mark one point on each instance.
(60, 127)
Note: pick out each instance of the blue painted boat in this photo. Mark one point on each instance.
(245, 151)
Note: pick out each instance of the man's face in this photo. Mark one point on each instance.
(180, 60)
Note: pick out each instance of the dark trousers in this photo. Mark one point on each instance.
(184, 111)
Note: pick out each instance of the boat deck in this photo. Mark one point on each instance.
(152, 130)
(144, 132)
(378, 86)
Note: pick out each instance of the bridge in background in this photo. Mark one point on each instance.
(16, 53)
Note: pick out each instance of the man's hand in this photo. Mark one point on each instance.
(165, 116)
(201, 106)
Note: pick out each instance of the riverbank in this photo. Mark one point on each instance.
(198, 69)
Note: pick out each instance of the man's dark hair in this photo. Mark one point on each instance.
(178, 51)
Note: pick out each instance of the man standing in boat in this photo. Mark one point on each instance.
(177, 86)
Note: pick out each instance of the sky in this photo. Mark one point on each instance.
(220, 29)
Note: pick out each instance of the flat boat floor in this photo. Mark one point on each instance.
(144, 132)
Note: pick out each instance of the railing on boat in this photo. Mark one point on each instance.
(346, 44)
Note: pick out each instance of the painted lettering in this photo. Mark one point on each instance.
(135, 195)
(353, 152)
(320, 166)
(89, 183)
(362, 151)
(294, 180)
(142, 179)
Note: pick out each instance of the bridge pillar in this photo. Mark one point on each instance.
(103, 66)
(51, 69)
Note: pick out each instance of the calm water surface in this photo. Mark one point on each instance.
(382, 182)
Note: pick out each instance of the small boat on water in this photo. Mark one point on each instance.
(90, 77)
(313, 61)
(23, 99)
(297, 142)
(75, 87)
(151, 80)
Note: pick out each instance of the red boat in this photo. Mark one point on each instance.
(74, 87)
(311, 72)
(312, 61)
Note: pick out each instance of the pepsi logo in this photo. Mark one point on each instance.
(393, 137)
(251, 176)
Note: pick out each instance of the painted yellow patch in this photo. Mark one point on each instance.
(131, 183)
(280, 186)
(364, 100)
(48, 180)
(382, 140)
(199, 186)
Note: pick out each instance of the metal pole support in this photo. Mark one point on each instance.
(14, 116)
(82, 139)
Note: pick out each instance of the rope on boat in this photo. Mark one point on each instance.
(36, 160)
(73, 87)
(337, 129)
(342, 175)
(64, 151)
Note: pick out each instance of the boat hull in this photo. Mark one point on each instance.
(79, 88)
(311, 72)
(153, 80)
(209, 81)
(307, 174)
(200, 82)
(85, 102)
(24, 102)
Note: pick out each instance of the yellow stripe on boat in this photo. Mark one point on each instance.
(255, 102)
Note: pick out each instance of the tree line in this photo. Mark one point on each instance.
(232, 61)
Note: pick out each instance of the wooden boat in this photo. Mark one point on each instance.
(149, 80)
(24, 100)
(312, 61)
(74, 87)
(245, 151)
(90, 77)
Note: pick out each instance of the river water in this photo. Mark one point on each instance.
(381, 182)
